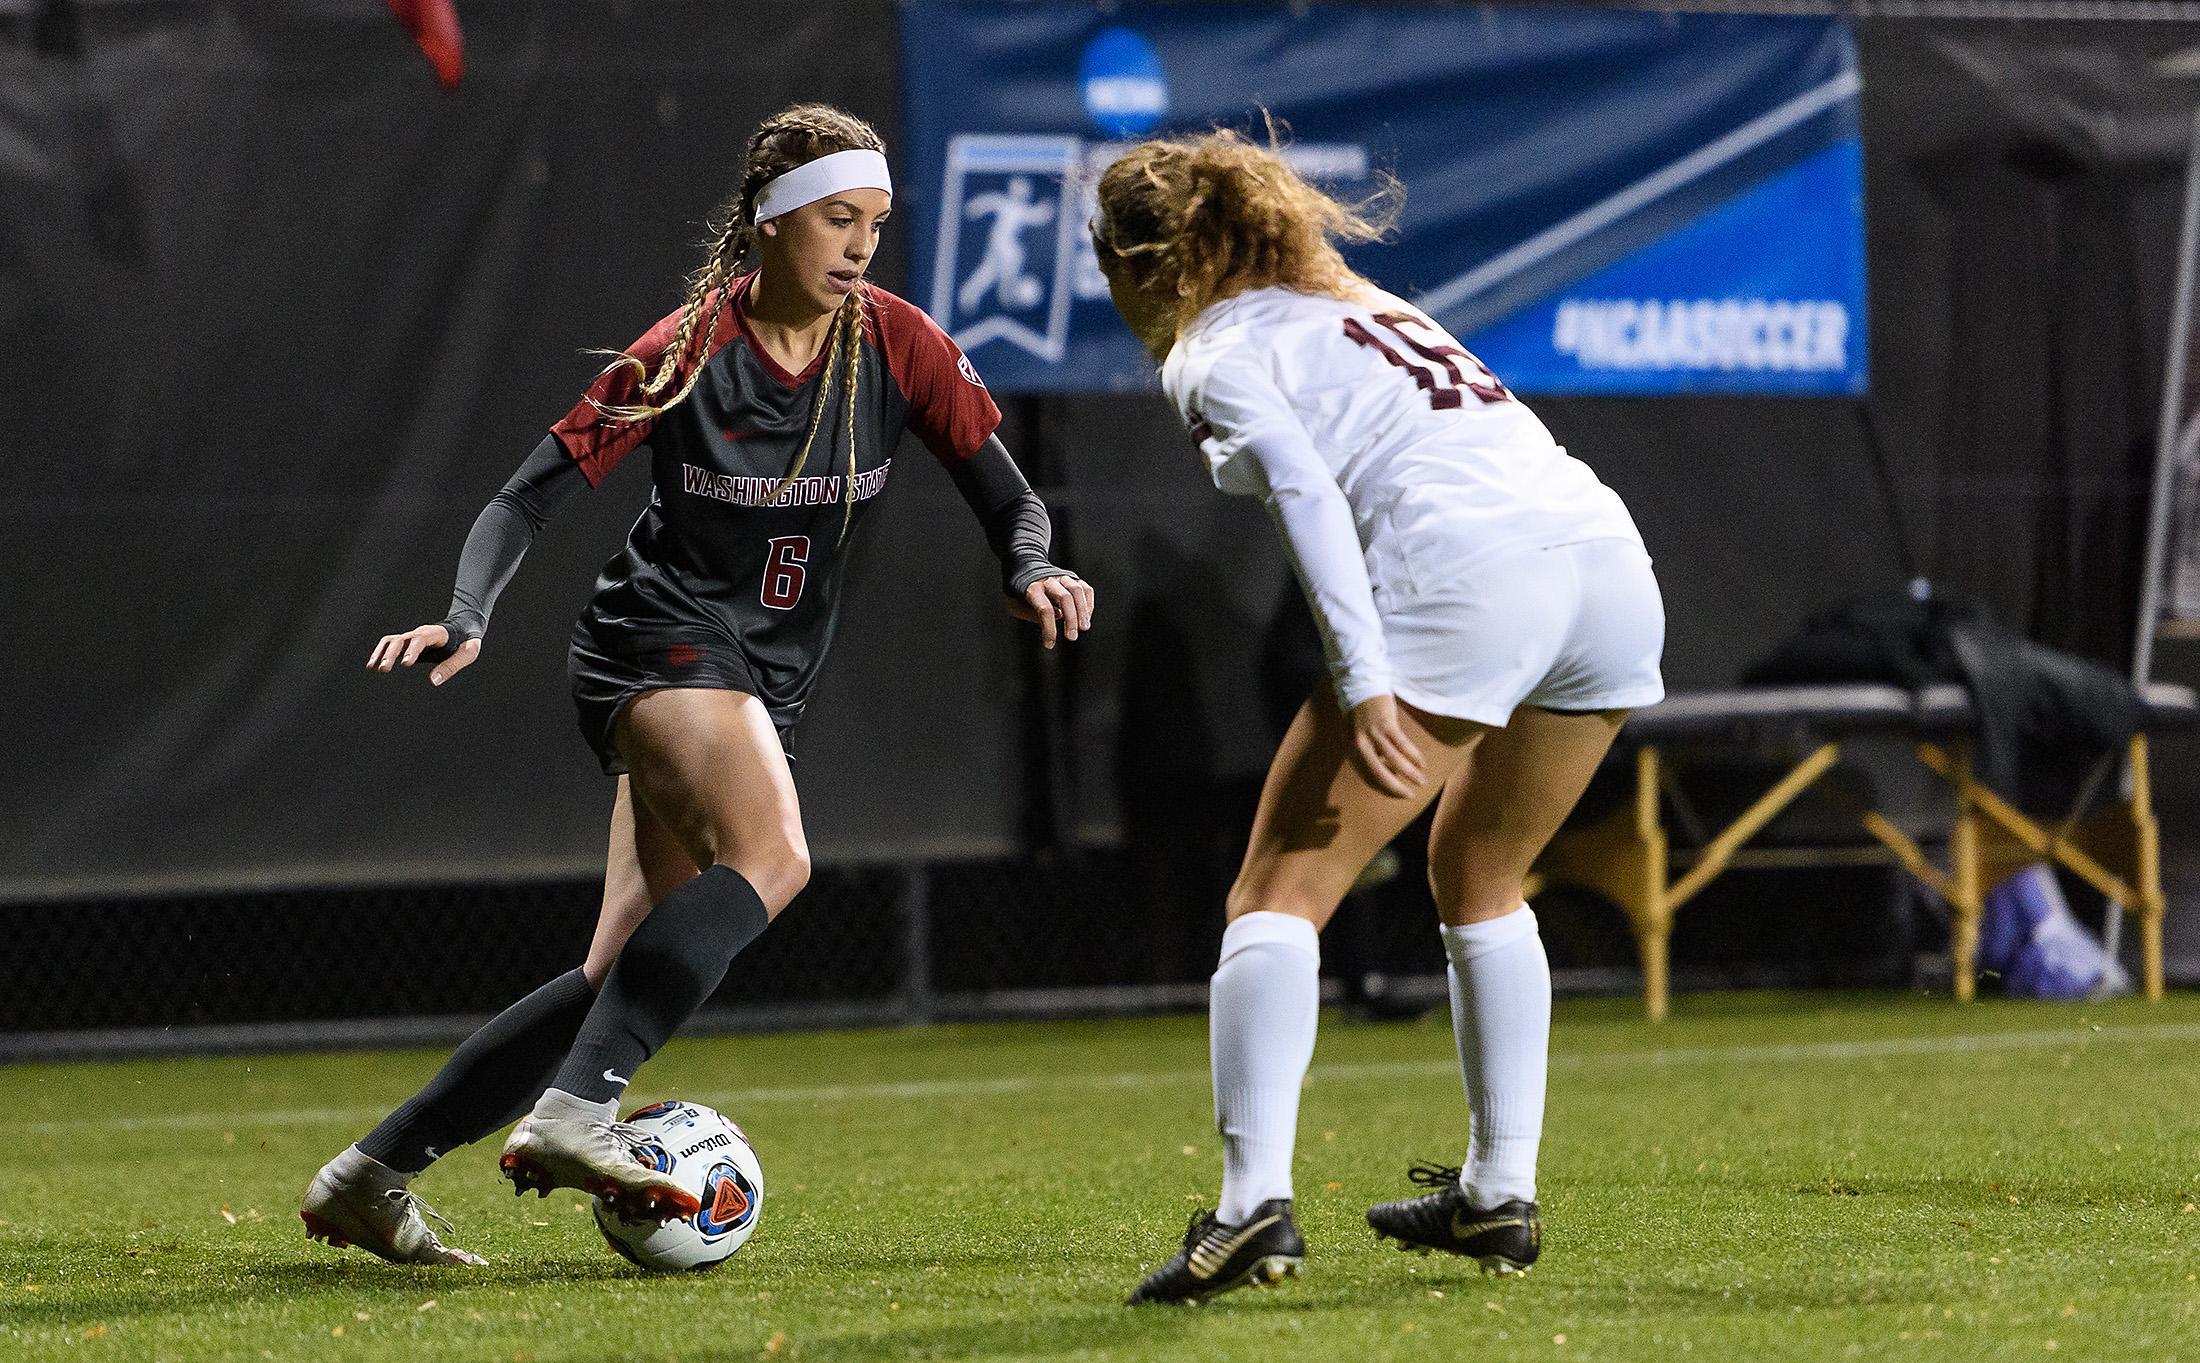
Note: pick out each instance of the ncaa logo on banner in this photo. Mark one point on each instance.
(1121, 80)
(1012, 260)
(1007, 241)
(1012, 255)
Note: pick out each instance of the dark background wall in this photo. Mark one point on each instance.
(277, 315)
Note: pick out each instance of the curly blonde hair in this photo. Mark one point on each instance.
(792, 137)
(1195, 220)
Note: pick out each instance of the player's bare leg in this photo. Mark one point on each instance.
(1320, 821)
(644, 864)
(709, 771)
(1494, 819)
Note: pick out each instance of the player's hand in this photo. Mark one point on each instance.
(405, 649)
(1385, 749)
(1061, 606)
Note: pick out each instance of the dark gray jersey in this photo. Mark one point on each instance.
(731, 551)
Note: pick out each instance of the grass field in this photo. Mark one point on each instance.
(1765, 1177)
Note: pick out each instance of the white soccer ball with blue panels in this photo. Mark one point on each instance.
(707, 1154)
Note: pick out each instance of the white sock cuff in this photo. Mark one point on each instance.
(355, 1163)
(1469, 940)
(557, 1103)
(1263, 927)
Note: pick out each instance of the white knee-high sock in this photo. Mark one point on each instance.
(1261, 1011)
(1501, 1018)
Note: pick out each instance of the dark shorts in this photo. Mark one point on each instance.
(604, 684)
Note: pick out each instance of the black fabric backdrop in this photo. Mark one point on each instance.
(277, 315)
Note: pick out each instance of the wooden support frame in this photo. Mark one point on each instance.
(2118, 851)
(1626, 857)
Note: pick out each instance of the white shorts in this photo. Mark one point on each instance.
(1575, 627)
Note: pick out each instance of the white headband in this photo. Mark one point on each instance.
(814, 180)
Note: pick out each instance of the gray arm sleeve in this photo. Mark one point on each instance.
(506, 526)
(1015, 520)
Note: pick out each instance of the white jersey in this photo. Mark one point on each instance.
(1392, 459)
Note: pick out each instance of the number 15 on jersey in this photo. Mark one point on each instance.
(1437, 363)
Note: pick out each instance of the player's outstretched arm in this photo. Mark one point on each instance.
(1022, 535)
(499, 540)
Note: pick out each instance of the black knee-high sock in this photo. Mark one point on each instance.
(668, 967)
(492, 1078)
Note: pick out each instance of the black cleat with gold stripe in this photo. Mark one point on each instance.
(1216, 1257)
(1504, 1239)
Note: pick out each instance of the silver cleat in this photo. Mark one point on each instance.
(566, 1143)
(358, 1201)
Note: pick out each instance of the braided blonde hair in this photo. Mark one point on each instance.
(844, 353)
(1199, 219)
(792, 137)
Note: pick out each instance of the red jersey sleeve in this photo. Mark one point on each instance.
(598, 442)
(949, 408)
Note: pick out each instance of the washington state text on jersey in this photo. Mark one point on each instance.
(753, 491)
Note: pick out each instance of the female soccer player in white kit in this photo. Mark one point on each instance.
(1489, 616)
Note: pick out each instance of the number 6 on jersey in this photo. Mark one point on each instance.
(786, 562)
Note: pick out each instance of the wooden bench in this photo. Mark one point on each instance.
(1628, 856)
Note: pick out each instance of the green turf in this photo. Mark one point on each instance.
(1764, 1177)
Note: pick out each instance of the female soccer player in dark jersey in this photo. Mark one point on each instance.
(770, 404)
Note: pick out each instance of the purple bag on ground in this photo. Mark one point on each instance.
(2038, 947)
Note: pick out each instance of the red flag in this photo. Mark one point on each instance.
(434, 25)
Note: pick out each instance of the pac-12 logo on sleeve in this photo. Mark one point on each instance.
(969, 371)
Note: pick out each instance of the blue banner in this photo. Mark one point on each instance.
(1597, 201)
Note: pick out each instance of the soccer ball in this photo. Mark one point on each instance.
(710, 1157)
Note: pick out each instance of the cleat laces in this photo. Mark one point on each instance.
(406, 1200)
(1197, 1227)
(633, 1141)
(1429, 1174)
